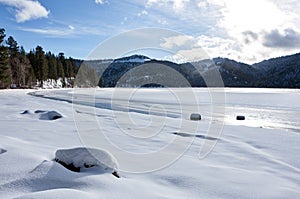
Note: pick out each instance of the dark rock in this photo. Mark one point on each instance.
(2, 151)
(116, 174)
(25, 112)
(71, 167)
(39, 111)
(240, 117)
(50, 115)
(195, 116)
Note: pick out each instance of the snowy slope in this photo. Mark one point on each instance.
(255, 158)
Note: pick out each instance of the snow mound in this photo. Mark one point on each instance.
(2, 151)
(50, 115)
(79, 159)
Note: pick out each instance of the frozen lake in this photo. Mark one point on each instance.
(264, 108)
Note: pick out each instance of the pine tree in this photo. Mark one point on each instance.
(24, 71)
(5, 78)
(13, 61)
(33, 70)
(52, 66)
(41, 65)
(60, 69)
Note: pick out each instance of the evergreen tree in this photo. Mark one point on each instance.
(14, 62)
(24, 71)
(33, 70)
(41, 65)
(60, 69)
(52, 66)
(21, 69)
(5, 79)
(13, 47)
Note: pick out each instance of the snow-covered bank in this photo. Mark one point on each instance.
(247, 162)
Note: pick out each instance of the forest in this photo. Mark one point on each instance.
(20, 69)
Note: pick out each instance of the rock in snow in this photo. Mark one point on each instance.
(2, 151)
(240, 117)
(43, 114)
(195, 116)
(50, 115)
(76, 159)
(25, 112)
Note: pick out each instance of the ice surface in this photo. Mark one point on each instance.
(247, 162)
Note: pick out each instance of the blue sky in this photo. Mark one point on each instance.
(244, 30)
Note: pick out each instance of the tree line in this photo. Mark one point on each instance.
(19, 69)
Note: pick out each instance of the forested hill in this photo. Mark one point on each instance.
(19, 69)
(281, 72)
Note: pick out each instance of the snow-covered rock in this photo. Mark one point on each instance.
(42, 114)
(76, 159)
(50, 115)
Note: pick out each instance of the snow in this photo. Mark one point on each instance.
(254, 158)
(55, 84)
(136, 60)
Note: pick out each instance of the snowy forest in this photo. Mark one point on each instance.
(19, 69)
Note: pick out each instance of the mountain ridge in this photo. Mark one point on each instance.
(280, 72)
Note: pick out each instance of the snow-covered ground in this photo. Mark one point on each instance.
(160, 152)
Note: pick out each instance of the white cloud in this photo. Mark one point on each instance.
(162, 21)
(254, 15)
(100, 1)
(216, 2)
(26, 10)
(125, 19)
(254, 26)
(188, 48)
(63, 31)
(71, 27)
(144, 12)
(202, 5)
(177, 5)
(256, 50)
(179, 41)
(58, 32)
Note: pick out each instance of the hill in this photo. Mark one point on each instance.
(137, 70)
